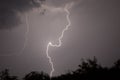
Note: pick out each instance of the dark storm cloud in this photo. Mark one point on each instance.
(9, 9)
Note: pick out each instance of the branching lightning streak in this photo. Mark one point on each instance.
(26, 33)
(26, 37)
(60, 42)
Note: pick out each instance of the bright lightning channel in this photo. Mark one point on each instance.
(59, 39)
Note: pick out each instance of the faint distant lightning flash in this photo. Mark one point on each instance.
(60, 38)
(26, 33)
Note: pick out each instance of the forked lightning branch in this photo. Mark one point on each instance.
(60, 38)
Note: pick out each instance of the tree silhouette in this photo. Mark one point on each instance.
(115, 70)
(4, 75)
(117, 64)
(88, 70)
(36, 76)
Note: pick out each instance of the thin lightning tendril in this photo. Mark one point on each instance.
(59, 39)
(26, 37)
(26, 33)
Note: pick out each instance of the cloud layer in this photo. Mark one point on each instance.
(9, 10)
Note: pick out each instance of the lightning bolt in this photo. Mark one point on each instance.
(26, 33)
(50, 44)
(26, 38)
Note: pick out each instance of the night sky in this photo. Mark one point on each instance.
(95, 31)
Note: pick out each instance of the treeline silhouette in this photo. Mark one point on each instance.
(88, 70)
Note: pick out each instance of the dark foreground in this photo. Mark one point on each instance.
(88, 70)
